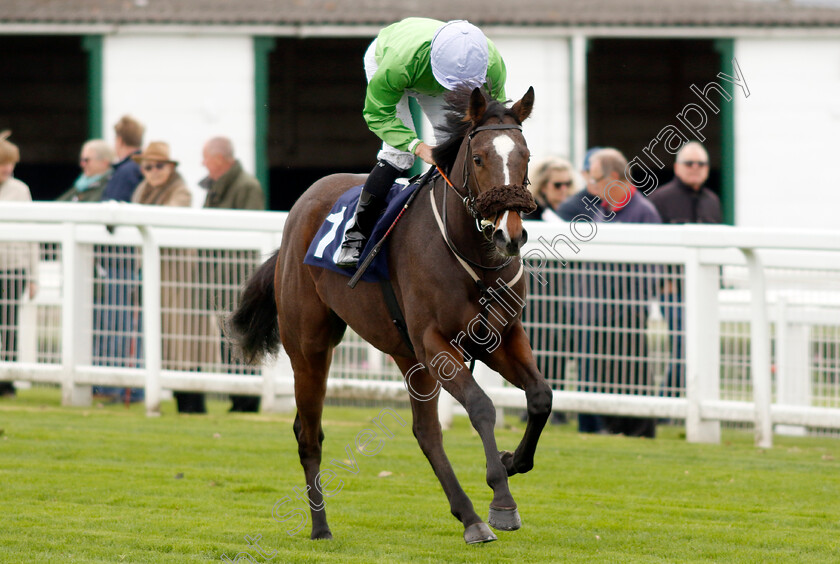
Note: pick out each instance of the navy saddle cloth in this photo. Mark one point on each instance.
(324, 247)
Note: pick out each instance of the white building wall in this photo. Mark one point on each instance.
(541, 62)
(786, 133)
(185, 89)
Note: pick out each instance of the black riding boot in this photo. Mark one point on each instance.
(371, 203)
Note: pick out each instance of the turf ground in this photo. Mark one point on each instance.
(107, 484)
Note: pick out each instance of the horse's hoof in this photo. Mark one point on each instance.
(321, 535)
(504, 519)
(478, 532)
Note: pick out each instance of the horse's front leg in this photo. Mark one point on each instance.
(424, 407)
(445, 363)
(514, 360)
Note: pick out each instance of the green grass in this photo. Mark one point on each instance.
(108, 484)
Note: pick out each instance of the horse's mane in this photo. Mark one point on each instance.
(456, 126)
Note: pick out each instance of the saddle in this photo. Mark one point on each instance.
(324, 248)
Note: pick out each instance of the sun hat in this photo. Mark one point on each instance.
(155, 151)
(459, 55)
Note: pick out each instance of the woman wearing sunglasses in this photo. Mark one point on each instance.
(163, 186)
(554, 180)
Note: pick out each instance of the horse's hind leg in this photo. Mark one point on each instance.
(426, 427)
(310, 388)
(309, 331)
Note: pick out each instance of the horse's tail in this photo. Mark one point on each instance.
(253, 326)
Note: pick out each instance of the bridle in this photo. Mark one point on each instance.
(468, 198)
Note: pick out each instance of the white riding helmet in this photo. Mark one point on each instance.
(459, 55)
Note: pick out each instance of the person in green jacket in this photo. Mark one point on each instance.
(420, 58)
(222, 271)
(228, 185)
(95, 161)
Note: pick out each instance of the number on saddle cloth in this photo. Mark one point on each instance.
(324, 248)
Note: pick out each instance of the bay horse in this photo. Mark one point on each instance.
(456, 285)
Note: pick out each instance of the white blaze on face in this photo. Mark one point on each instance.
(503, 226)
(504, 145)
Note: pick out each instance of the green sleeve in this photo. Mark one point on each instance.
(384, 91)
(496, 74)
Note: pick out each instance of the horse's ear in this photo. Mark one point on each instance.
(477, 106)
(522, 109)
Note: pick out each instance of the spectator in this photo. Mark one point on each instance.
(163, 186)
(115, 301)
(554, 181)
(614, 313)
(18, 261)
(421, 58)
(95, 161)
(685, 199)
(229, 187)
(619, 200)
(116, 338)
(576, 204)
(548, 315)
(127, 175)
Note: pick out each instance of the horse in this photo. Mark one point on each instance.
(458, 279)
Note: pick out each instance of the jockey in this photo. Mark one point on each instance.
(420, 58)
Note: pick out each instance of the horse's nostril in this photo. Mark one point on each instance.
(499, 238)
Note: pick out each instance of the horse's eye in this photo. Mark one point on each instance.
(477, 160)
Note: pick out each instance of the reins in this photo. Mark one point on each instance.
(482, 223)
(488, 294)
(465, 261)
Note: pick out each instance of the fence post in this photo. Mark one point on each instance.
(702, 364)
(72, 298)
(793, 371)
(760, 350)
(150, 280)
(446, 408)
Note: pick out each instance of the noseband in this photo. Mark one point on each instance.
(478, 206)
(484, 205)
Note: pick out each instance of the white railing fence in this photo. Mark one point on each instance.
(707, 324)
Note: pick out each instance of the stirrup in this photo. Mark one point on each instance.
(350, 252)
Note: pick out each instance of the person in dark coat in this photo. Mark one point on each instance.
(115, 341)
(228, 187)
(127, 175)
(685, 199)
(614, 307)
